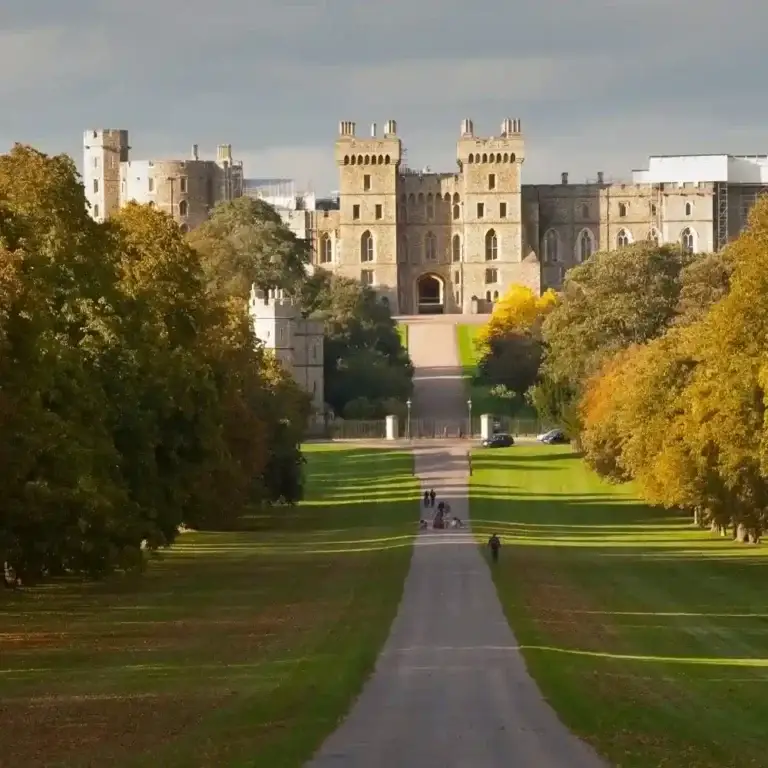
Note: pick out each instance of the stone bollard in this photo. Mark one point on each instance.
(392, 430)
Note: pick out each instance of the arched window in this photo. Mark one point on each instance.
(411, 199)
(456, 248)
(183, 208)
(653, 236)
(585, 246)
(551, 247)
(584, 210)
(430, 246)
(622, 210)
(326, 250)
(430, 206)
(688, 208)
(366, 246)
(456, 211)
(623, 238)
(688, 240)
(491, 246)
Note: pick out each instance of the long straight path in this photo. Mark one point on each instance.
(450, 689)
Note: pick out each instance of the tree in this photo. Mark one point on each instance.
(519, 311)
(703, 283)
(615, 299)
(245, 243)
(512, 361)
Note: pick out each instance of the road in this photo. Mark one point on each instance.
(450, 689)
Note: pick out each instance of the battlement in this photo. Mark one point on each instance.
(273, 301)
(507, 147)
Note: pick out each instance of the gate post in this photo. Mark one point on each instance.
(486, 426)
(392, 431)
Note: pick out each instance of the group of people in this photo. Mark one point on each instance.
(440, 516)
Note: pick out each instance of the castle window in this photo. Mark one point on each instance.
(491, 246)
(456, 212)
(585, 246)
(183, 208)
(495, 295)
(622, 210)
(456, 248)
(183, 184)
(326, 250)
(411, 199)
(457, 277)
(96, 211)
(421, 198)
(498, 157)
(379, 212)
(480, 210)
(512, 158)
(491, 181)
(471, 158)
(430, 206)
(352, 160)
(96, 186)
(456, 198)
(366, 182)
(551, 247)
(366, 246)
(653, 236)
(346, 159)
(623, 239)
(359, 159)
(491, 276)
(430, 246)
(687, 240)
(447, 197)
(151, 184)
(488, 296)
(584, 211)
(485, 158)
(95, 162)
(502, 210)
(506, 157)
(355, 212)
(386, 159)
(653, 209)
(688, 209)
(366, 277)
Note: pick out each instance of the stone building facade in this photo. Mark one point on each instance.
(186, 189)
(297, 342)
(454, 242)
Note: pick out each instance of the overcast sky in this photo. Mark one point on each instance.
(598, 84)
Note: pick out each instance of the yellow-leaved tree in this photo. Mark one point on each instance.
(519, 311)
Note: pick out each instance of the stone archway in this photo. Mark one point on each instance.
(430, 294)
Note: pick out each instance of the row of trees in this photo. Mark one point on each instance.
(367, 371)
(134, 397)
(657, 361)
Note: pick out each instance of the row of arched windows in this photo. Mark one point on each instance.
(367, 160)
(585, 243)
(492, 158)
(421, 198)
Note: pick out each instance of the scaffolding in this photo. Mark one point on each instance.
(721, 197)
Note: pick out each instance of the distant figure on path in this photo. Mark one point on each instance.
(494, 544)
(422, 525)
(432, 496)
(426, 498)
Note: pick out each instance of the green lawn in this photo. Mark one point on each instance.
(402, 331)
(648, 636)
(234, 649)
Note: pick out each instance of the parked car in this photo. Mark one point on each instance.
(553, 437)
(501, 440)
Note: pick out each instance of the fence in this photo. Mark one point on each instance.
(420, 429)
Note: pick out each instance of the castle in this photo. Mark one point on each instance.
(185, 189)
(295, 341)
(449, 242)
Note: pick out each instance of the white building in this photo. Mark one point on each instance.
(296, 342)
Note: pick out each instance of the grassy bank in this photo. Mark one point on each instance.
(649, 637)
(234, 649)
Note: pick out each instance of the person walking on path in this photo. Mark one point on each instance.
(432, 496)
(426, 498)
(494, 544)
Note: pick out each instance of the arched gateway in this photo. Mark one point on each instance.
(430, 294)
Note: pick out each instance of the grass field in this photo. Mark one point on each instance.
(234, 649)
(402, 331)
(649, 637)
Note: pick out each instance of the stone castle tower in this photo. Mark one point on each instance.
(429, 242)
(296, 342)
(103, 152)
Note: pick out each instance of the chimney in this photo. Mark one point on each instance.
(373, 130)
(600, 177)
(467, 128)
(564, 177)
(391, 128)
(195, 153)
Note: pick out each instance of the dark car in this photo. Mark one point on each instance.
(502, 440)
(554, 437)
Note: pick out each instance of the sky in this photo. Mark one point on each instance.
(599, 85)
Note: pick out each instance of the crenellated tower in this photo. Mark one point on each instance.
(366, 244)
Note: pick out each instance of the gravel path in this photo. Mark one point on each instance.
(450, 689)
